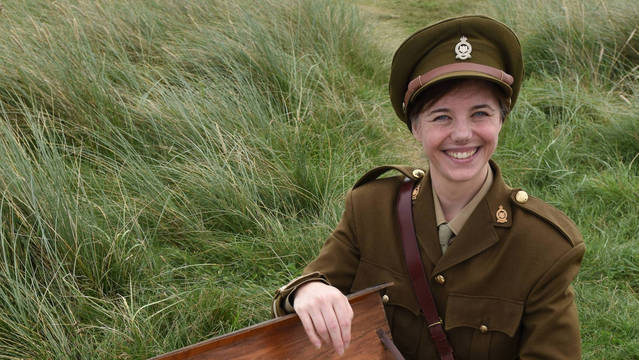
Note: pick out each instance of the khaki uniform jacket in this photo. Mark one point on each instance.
(502, 288)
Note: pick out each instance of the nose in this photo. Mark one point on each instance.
(462, 130)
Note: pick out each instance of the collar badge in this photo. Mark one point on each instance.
(463, 49)
(502, 215)
(416, 191)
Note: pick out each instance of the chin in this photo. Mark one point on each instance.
(464, 174)
(459, 178)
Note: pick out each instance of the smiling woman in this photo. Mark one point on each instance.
(491, 278)
(459, 133)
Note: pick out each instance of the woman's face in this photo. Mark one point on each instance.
(459, 132)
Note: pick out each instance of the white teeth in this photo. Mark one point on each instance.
(462, 155)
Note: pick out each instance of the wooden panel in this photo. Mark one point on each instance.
(284, 337)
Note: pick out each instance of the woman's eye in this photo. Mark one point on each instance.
(440, 118)
(480, 114)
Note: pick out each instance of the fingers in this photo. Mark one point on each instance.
(327, 328)
(310, 330)
(344, 313)
(325, 314)
(331, 330)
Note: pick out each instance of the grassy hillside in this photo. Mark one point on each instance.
(167, 165)
(574, 141)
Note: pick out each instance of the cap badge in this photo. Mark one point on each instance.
(502, 215)
(463, 49)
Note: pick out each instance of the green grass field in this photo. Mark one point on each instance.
(166, 165)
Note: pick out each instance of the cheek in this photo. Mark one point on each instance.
(431, 141)
(490, 134)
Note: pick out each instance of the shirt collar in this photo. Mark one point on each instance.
(458, 221)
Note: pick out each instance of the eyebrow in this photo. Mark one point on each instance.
(481, 106)
(475, 107)
(439, 110)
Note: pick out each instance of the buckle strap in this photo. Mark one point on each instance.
(441, 342)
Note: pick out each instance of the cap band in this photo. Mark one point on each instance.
(423, 79)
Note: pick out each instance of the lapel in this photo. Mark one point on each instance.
(478, 233)
(424, 220)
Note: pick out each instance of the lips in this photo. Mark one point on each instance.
(462, 155)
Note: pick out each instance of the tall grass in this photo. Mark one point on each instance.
(574, 141)
(596, 40)
(166, 165)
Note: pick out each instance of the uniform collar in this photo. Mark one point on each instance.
(483, 220)
(457, 223)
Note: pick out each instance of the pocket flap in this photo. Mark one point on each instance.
(400, 294)
(497, 314)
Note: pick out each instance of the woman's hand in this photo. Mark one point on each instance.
(325, 313)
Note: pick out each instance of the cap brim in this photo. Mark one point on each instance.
(508, 91)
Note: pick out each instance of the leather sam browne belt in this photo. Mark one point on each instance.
(416, 271)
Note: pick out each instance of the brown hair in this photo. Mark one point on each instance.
(437, 91)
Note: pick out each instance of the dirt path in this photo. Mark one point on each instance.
(390, 29)
(396, 19)
(388, 25)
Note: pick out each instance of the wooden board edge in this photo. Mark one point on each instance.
(352, 298)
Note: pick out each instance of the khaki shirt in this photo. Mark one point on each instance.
(457, 223)
(503, 289)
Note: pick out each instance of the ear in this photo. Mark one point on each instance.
(416, 128)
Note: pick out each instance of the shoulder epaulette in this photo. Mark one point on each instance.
(408, 171)
(549, 214)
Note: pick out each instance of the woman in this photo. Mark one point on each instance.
(498, 262)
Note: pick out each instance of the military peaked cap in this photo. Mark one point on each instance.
(461, 47)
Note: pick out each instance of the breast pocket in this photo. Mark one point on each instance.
(406, 323)
(400, 305)
(489, 325)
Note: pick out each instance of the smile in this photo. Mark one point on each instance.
(462, 155)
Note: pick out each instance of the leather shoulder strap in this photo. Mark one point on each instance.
(373, 174)
(416, 271)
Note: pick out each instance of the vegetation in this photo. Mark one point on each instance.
(580, 150)
(166, 165)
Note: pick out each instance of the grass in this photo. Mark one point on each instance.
(158, 155)
(579, 150)
(167, 165)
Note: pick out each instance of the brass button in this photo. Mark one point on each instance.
(521, 197)
(440, 279)
(385, 299)
(418, 173)
(483, 329)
